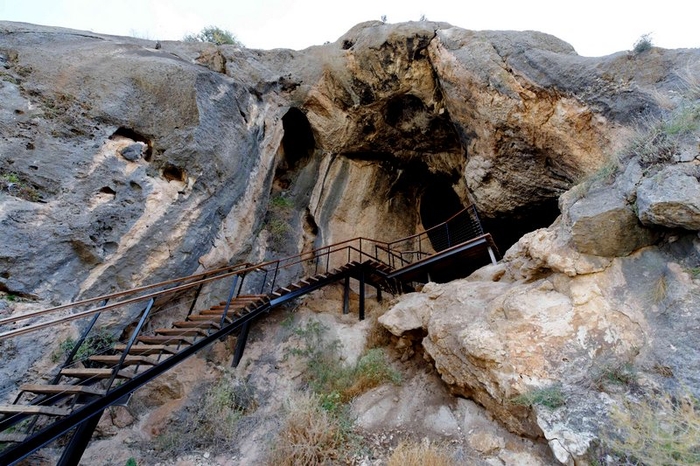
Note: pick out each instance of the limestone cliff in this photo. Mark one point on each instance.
(122, 164)
(364, 136)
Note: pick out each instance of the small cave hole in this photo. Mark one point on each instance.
(137, 137)
(174, 173)
(402, 109)
(347, 44)
(108, 190)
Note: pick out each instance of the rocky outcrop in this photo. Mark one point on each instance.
(149, 163)
(122, 164)
(671, 198)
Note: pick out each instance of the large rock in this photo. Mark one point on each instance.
(671, 198)
(604, 224)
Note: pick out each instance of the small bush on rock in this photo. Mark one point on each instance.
(334, 382)
(643, 44)
(550, 397)
(213, 34)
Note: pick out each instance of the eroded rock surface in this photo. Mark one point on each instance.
(388, 117)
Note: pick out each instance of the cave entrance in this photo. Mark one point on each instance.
(298, 145)
(508, 228)
(438, 203)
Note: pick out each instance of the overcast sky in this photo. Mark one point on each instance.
(593, 27)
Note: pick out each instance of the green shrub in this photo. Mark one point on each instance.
(279, 214)
(334, 382)
(131, 462)
(12, 184)
(623, 374)
(643, 44)
(550, 397)
(96, 343)
(215, 35)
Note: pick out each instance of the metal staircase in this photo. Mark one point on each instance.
(72, 401)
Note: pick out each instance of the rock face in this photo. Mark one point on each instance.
(121, 165)
(147, 163)
(671, 198)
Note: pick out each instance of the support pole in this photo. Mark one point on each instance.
(379, 294)
(492, 256)
(346, 296)
(240, 344)
(362, 293)
(79, 441)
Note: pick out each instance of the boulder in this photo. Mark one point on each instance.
(603, 224)
(671, 198)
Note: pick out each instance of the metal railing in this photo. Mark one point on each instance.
(182, 296)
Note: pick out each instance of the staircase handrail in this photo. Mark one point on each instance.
(234, 270)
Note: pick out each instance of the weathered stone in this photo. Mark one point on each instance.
(671, 198)
(604, 224)
(133, 152)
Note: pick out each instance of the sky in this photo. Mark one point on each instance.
(592, 27)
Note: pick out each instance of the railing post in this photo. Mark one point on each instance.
(362, 293)
(346, 295)
(78, 344)
(264, 280)
(228, 301)
(447, 230)
(196, 296)
(79, 441)
(134, 335)
(240, 344)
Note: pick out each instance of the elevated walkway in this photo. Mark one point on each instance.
(94, 377)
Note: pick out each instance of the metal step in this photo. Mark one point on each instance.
(208, 317)
(34, 409)
(148, 349)
(183, 332)
(206, 324)
(92, 373)
(14, 437)
(162, 339)
(53, 389)
(128, 361)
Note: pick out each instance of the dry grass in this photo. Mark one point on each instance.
(309, 436)
(378, 336)
(423, 454)
(664, 431)
(210, 421)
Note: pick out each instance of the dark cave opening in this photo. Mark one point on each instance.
(438, 203)
(508, 228)
(298, 141)
(298, 144)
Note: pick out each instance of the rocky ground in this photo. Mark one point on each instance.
(419, 409)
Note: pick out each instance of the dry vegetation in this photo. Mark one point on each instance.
(664, 430)
(310, 435)
(423, 454)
